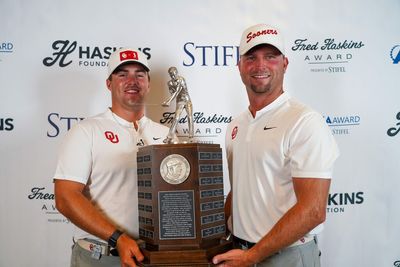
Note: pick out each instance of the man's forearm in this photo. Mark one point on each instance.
(80, 211)
(305, 215)
(289, 229)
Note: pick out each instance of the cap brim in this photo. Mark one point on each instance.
(127, 62)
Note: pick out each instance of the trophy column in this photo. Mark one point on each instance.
(181, 204)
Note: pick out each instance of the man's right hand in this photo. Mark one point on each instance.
(128, 251)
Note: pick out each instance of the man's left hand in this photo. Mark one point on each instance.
(232, 258)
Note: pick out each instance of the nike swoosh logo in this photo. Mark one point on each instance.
(156, 138)
(269, 128)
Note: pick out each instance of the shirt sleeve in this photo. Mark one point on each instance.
(313, 149)
(228, 151)
(75, 157)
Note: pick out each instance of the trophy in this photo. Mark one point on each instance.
(181, 194)
(178, 90)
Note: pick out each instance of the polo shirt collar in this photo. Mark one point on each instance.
(124, 122)
(276, 103)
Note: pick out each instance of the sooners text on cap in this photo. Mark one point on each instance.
(129, 54)
(252, 35)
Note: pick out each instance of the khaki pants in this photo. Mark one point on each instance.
(82, 258)
(306, 255)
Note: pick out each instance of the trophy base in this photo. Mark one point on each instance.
(175, 258)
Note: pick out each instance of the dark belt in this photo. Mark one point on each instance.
(242, 242)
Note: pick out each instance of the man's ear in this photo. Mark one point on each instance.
(108, 84)
(286, 63)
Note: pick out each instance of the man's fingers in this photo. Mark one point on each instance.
(219, 258)
(138, 254)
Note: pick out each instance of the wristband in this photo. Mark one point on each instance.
(112, 241)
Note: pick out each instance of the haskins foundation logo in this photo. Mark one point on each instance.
(66, 52)
(47, 204)
(329, 55)
(340, 201)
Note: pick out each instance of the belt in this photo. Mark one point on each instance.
(242, 242)
(95, 246)
(302, 241)
(248, 245)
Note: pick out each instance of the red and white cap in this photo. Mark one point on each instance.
(124, 55)
(261, 34)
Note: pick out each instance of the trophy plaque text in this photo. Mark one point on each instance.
(181, 204)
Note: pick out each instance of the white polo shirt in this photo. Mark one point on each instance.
(100, 152)
(286, 139)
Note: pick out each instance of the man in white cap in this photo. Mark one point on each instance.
(280, 157)
(96, 175)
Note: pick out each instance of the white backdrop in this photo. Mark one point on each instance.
(343, 62)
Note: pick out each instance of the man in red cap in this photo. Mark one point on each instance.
(96, 175)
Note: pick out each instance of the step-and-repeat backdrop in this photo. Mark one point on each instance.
(343, 61)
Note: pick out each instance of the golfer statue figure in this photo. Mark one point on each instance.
(178, 89)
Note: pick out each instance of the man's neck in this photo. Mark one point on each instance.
(129, 115)
(259, 102)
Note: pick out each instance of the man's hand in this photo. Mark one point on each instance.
(232, 258)
(71, 202)
(128, 250)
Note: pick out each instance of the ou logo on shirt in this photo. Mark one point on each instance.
(234, 132)
(112, 137)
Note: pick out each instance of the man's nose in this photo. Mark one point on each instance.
(260, 63)
(131, 80)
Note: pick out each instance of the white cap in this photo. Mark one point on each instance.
(261, 34)
(124, 55)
